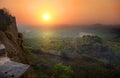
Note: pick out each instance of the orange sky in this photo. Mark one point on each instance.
(64, 11)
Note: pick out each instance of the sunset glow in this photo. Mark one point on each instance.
(62, 12)
(46, 17)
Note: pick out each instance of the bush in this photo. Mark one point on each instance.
(91, 39)
(61, 71)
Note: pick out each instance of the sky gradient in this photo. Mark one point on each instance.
(64, 11)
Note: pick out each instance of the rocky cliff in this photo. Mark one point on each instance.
(12, 39)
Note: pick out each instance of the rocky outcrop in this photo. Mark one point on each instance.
(12, 39)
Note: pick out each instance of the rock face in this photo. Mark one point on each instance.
(12, 39)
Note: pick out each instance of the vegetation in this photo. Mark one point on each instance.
(61, 71)
(82, 57)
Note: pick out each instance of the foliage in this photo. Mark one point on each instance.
(89, 69)
(31, 56)
(61, 71)
(91, 39)
(42, 69)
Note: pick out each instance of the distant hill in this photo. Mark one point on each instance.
(104, 31)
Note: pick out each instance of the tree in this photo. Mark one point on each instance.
(91, 39)
(61, 71)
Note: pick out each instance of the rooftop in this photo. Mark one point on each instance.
(12, 69)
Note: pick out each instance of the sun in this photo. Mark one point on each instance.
(46, 17)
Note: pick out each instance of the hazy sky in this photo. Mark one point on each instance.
(64, 11)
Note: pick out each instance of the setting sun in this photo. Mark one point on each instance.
(46, 17)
